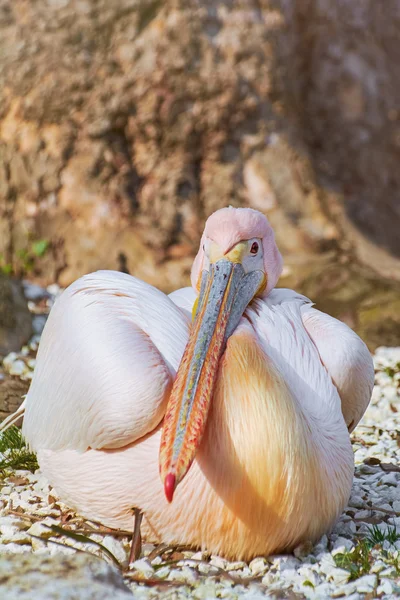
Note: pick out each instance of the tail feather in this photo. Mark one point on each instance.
(13, 418)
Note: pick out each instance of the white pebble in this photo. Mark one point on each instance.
(116, 547)
(18, 367)
(9, 359)
(390, 479)
(258, 566)
(338, 576)
(143, 567)
(344, 590)
(219, 562)
(385, 587)
(366, 584)
(342, 542)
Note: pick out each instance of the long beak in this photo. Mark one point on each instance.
(225, 292)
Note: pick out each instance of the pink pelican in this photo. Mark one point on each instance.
(222, 411)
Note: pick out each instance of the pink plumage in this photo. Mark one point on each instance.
(275, 465)
(229, 226)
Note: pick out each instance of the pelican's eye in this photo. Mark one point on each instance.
(254, 248)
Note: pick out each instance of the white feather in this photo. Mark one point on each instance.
(184, 298)
(106, 362)
(315, 353)
(277, 321)
(346, 358)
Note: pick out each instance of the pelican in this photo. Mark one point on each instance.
(221, 411)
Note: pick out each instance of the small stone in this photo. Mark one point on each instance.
(163, 572)
(343, 591)
(205, 591)
(366, 584)
(33, 345)
(258, 566)
(362, 514)
(20, 537)
(289, 575)
(338, 550)
(377, 567)
(385, 587)
(76, 576)
(200, 556)
(389, 572)
(18, 368)
(219, 562)
(9, 359)
(143, 567)
(183, 575)
(39, 529)
(345, 529)
(147, 549)
(342, 542)
(10, 525)
(303, 550)
(269, 579)
(288, 563)
(389, 479)
(236, 566)
(308, 574)
(116, 547)
(357, 502)
(382, 506)
(38, 323)
(14, 548)
(338, 576)
(53, 289)
(327, 563)
(205, 568)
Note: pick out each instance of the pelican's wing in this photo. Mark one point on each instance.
(346, 359)
(184, 298)
(105, 366)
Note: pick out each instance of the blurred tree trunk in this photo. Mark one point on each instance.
(124, 124)
(15, 318)
(342, 63)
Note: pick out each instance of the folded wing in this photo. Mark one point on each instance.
(347, 360)
(105, 366)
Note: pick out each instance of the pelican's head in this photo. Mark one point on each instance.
(238, 260)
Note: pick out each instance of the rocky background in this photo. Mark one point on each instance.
(124, 124)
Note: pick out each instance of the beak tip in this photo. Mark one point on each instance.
(169, 486)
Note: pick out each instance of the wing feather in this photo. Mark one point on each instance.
(105, 366)
(347, 360)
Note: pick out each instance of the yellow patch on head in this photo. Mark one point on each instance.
(235, 255)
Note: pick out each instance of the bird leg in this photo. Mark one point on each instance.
(136, 543)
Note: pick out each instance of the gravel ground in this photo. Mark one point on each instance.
(342, 564)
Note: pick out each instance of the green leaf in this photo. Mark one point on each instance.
(376, 537)
(357, 561)
(6, 269)
(40, 247)
(22, 253)
(14, 454)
